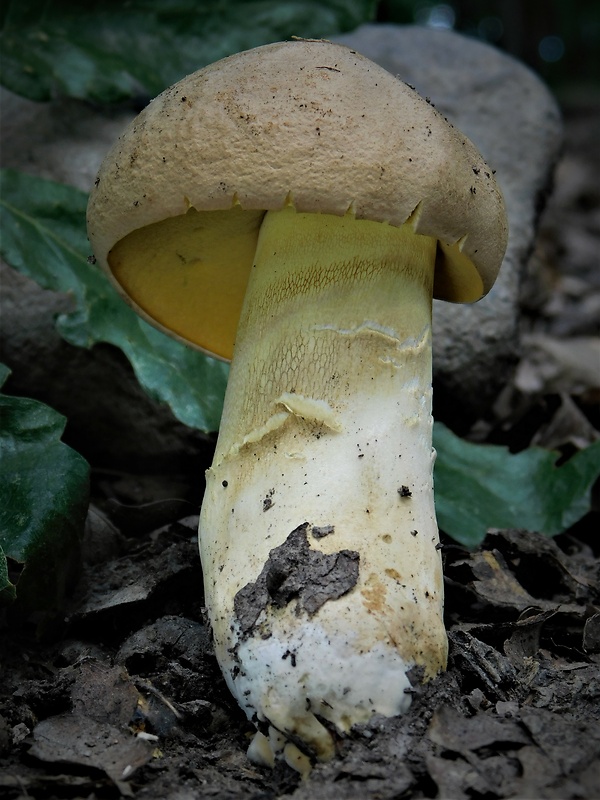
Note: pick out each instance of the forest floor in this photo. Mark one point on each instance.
(128, 699)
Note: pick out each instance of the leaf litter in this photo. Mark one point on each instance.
(131, 701)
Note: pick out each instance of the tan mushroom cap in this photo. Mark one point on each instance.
(308, 123)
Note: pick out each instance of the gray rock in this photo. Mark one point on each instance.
(111, 420)
(63, 140)
(496, 101)
(510, 115)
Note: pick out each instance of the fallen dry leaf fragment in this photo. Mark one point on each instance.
(460, 734)
(78, 741)
(570, 742)
(569, 426)
(95, 734)
(495, 582)
(552, 365)
(591, 634)
(482, 665)
(468, 745)
(455, 779)
(126, 590)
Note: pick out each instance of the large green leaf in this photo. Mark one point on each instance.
(109, 50)
(485, 486)
(477, 486)
(44, 492)
(44, 237)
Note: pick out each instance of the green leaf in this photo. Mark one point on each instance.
(107, 51)
(8, 591)
(44, 493)
(485, 486)
(44, 238)
(4, 373)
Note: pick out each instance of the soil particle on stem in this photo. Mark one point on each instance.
(294, 572)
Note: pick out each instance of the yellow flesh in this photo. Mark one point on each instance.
(189, 273)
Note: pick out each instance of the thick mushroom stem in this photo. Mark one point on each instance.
(318, 536)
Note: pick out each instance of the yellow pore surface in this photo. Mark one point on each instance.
(189, 273)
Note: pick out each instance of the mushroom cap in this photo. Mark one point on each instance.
(308, 123)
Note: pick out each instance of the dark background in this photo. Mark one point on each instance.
(559, 39)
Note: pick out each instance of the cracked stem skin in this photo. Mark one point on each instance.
(327, 415)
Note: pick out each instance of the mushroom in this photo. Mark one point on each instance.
(294, 208)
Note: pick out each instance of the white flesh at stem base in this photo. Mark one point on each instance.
(326, 433)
